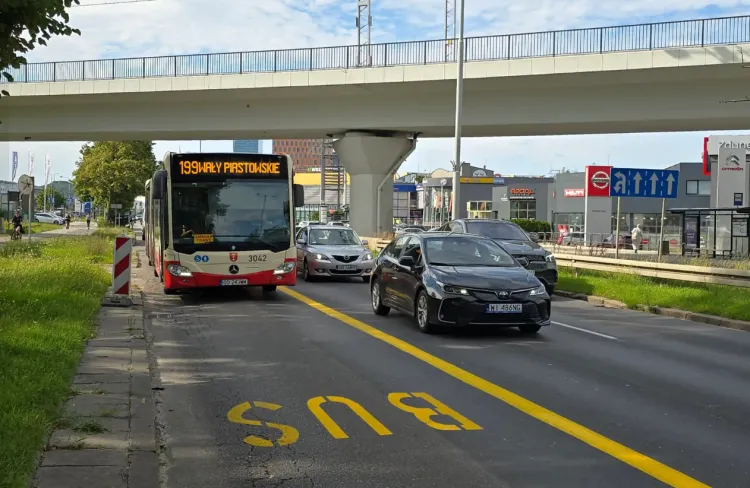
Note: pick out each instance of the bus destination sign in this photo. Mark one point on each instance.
(219, 166)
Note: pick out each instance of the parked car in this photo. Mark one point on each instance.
(328, 251)
(457, 279)
(517, 242)
(48, 218)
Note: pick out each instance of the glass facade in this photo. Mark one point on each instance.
(403, 202)
(246, 146)
(480, 210)
(523, 209)
(698, 187)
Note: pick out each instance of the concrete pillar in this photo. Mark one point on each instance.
(371, 160)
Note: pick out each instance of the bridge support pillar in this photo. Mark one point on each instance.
(371, 159)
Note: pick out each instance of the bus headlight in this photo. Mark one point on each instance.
(179, 271)
(284, 268)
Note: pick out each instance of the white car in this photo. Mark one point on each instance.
(48, 218)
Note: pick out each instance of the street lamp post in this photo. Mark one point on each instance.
(459, 108)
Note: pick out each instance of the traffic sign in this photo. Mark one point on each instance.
(644, 183)
(70, 199)
(25, 184)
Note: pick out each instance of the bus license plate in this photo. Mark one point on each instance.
(504, 308)
(232, 282)
(344, 267)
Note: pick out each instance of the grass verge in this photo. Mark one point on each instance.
(50, 293)
(724, 301)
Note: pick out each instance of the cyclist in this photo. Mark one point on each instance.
(17, 224)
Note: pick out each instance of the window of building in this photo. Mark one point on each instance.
(698, 187)
(523, 209)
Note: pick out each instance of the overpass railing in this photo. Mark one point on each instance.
(638, 37)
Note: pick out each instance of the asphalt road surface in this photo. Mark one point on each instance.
(311, 389)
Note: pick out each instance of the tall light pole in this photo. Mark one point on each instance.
(459, 108)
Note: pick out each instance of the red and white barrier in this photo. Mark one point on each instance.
(121, 266)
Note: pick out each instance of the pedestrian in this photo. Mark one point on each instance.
(88, 221)
(637, 237)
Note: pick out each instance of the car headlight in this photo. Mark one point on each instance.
(453, 290)
(179, 271)
(367, 257)
(284, 268)
(550, 258)
(541, 291)
(321, 257)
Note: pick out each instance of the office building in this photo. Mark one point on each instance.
(305, 153)
(246, 146)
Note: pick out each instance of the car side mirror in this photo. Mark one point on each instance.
(534, 236)
(301, 241)
(523, 262)
(406, 261)
(365, 242)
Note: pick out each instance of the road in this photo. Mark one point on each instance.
(620, 398)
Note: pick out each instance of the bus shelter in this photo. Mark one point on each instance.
(715, 232)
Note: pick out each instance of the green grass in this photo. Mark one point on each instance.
(50, 294)
(36, 228)
(724, 301)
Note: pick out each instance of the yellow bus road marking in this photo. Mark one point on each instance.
(652, 467)
(314, 404)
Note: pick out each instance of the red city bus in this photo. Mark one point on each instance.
(223, 219)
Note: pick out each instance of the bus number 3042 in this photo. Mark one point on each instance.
(258, 258)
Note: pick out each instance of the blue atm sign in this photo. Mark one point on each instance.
(644, 183)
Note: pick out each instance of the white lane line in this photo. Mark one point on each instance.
(586, 331)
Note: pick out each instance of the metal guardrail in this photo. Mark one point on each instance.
(677, 272)
(597, 40)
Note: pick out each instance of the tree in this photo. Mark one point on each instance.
(114, 172)
(25, 24)
(53, 195)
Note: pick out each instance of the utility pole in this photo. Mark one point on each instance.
(364, 30)
(450, 29)
(459, 108)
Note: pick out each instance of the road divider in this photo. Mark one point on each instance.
(640, 461)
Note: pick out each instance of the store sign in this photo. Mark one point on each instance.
(598, 180)
(575, 192)
(521, 193)
(478, 180)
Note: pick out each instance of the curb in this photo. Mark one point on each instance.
(665, 312)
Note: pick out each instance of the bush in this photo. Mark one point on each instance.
(531, 225)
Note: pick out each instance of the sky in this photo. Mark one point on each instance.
(169, 27)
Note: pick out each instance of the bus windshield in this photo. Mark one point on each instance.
(237, 215)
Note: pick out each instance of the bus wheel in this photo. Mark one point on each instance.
(269, 288)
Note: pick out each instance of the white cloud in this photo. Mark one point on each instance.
(166, 27)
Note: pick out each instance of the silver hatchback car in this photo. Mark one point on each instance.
(327, 250)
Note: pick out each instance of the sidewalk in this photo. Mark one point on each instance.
(107, 438)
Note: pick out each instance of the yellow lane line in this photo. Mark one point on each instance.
(650, 466)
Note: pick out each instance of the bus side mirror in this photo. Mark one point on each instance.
(159, 185)
(299, 195)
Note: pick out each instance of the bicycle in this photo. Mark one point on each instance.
(16, 235)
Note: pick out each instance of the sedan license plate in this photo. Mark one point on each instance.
(504, 308)
(346, 267)
(232, 282)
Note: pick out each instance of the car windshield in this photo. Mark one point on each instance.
(465, 251)
(234, 214)
(503, 231)
(334, 237)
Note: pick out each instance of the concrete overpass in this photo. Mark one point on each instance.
(652, 77)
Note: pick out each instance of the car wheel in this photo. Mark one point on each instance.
(550, 289)
(377, 302)
(366, 279)
(530, 329)
(422, 313)
(269, 288)
(306, 272)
